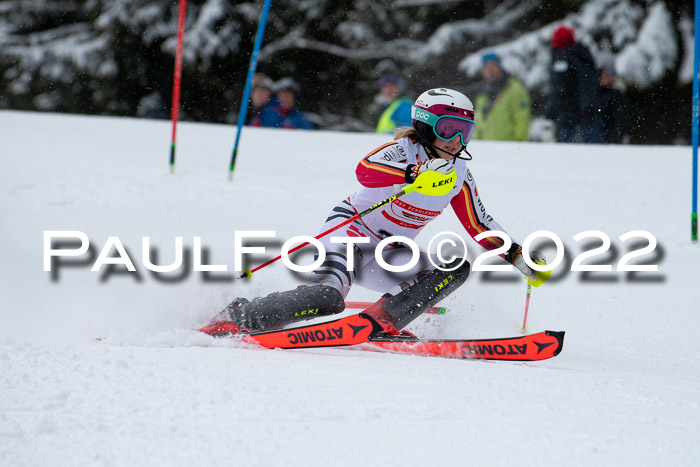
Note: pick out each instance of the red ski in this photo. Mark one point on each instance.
(540, 346)
(366, 333)
(350, 330)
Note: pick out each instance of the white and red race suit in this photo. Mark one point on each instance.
(379, 172)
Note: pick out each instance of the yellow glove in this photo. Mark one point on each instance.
(535, 278)
(433, 183)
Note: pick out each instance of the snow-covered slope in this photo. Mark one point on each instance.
(623, 392)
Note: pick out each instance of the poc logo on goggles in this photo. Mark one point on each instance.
(421, 115)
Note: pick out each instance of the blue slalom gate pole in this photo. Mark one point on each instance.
(696, 70)
(246, 93)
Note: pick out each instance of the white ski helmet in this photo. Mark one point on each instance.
(443, 113)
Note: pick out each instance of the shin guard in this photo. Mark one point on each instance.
(396, 312)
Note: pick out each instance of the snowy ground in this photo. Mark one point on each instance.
(624, 391)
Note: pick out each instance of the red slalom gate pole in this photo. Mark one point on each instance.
(176, 81)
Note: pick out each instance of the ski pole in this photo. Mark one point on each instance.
(428, 183)
(249, 272)
(527, 307)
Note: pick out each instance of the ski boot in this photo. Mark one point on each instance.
(395, 312)
(282, 308)
(222, 324)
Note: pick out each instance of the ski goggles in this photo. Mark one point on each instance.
(446, 127)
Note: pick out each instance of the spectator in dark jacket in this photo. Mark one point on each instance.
(574, 102)
(615, 108)
(290, 115)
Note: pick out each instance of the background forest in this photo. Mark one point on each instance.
(115, 57)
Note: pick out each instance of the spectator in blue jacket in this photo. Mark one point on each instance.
(290, 116)
(262, 112)
(398, 110)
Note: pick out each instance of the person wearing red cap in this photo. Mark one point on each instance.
(574, 97)
(563, 37)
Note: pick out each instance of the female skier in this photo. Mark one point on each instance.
(443, 122)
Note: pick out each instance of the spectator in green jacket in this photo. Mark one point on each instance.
(503, 111)
(398, 110)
